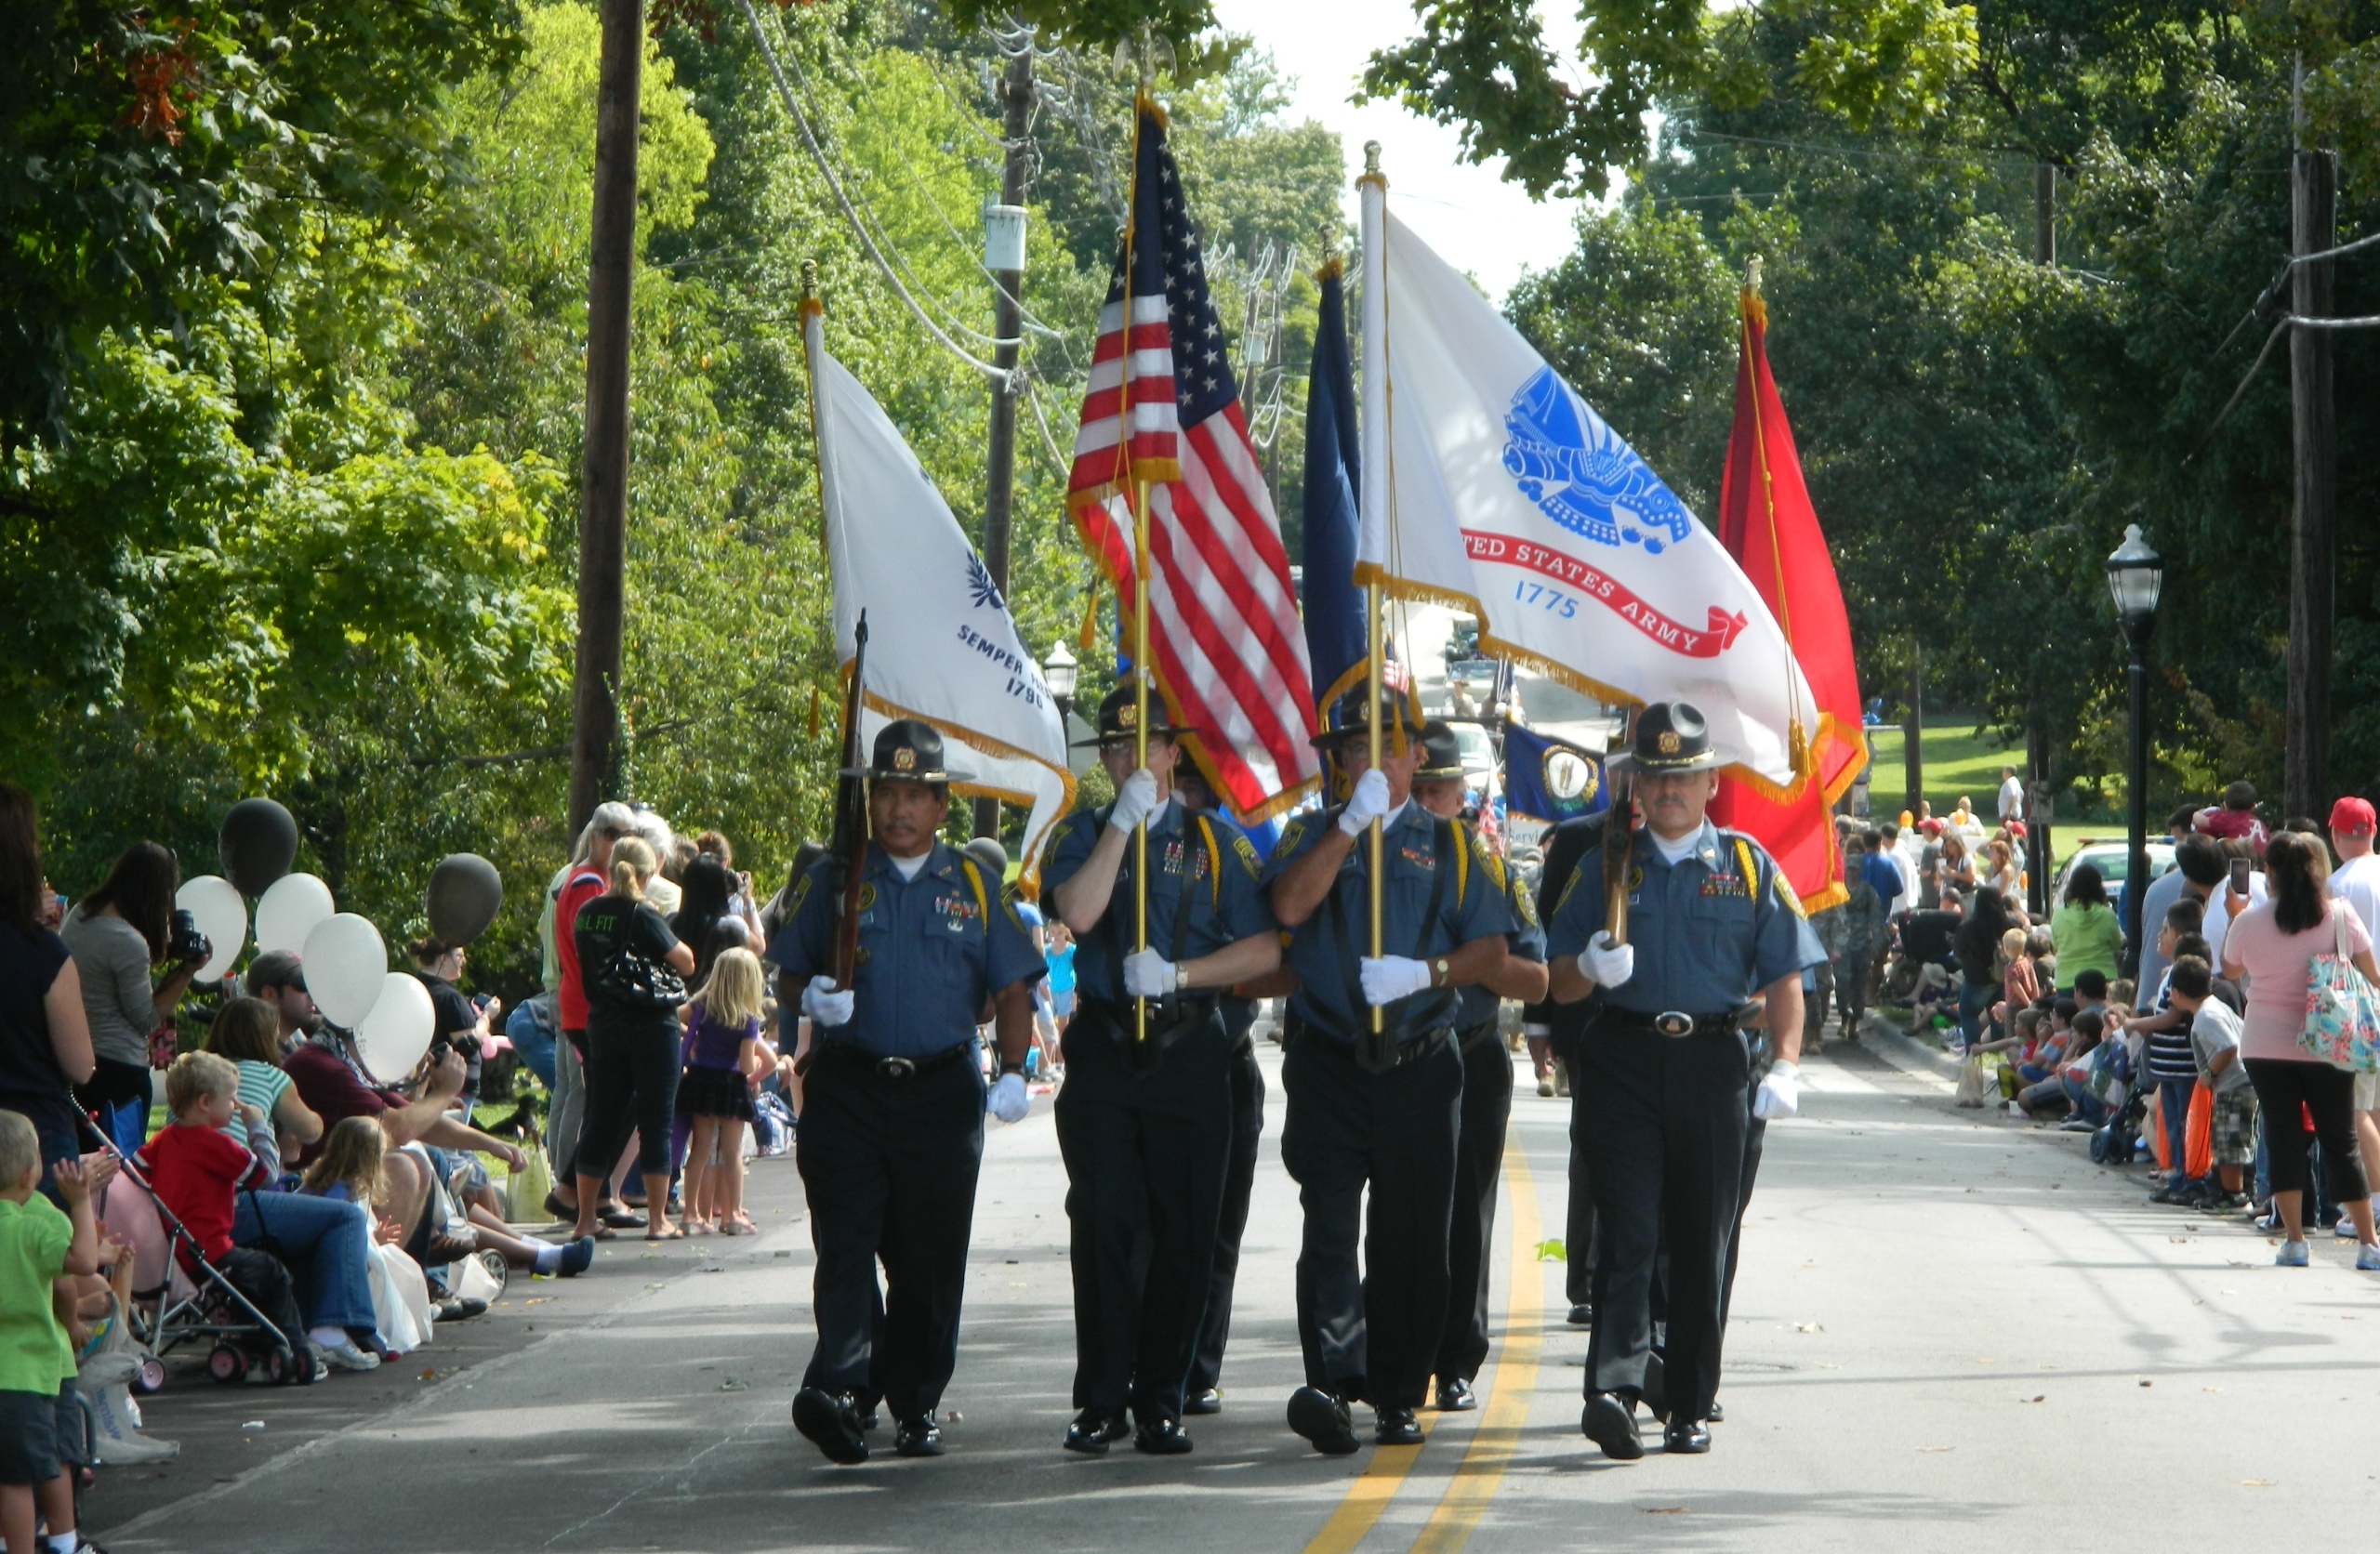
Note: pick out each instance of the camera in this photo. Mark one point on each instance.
(465, 1042)
(184, 942)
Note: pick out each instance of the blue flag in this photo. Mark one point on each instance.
(1551, 780)
(1335, 638)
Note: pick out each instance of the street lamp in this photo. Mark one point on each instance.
(2136, 573)
(1058, 673)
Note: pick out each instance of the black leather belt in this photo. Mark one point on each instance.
(896, 1070)
(1669, 1023)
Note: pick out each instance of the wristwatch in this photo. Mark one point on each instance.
(1438, 972)
(1008, 1068)
(1182, 975)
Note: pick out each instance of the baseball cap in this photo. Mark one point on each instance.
(274, 968)
(2352, 814)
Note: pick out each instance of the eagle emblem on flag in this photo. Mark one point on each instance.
(1582, 475)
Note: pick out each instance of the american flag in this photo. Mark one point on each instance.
(1223, 632)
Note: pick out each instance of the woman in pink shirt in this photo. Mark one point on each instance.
(2271, 944)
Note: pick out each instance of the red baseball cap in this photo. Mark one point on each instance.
(2352, 814)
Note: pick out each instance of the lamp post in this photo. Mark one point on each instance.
(1058, 673)
(2134, 575)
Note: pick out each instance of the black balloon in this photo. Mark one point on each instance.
(258, 844)
(464, 893)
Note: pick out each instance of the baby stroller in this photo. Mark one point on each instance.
(180, 1297)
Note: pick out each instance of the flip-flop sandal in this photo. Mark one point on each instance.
(675, 1235)
(602, 1233)
(736, 1227)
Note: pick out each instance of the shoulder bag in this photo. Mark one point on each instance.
(2342, 1012)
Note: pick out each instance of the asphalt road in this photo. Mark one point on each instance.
(1951, 1332)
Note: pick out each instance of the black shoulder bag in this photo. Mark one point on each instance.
(627, 975)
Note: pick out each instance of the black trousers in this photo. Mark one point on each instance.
(1579, 1217)
(1479, 1172)
(1239, 1184)
(1144, 1156)
(2282, 1086)
(1755, 1140)
(889, 1166)
(1662, 1120)
(1372, 1331)
(632, 1083)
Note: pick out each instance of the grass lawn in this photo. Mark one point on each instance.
(1962, 763)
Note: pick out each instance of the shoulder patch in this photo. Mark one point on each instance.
(1244, 850)
(801, 894)
(1291, 834)
(1785, 893)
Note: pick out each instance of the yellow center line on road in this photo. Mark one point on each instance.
(1498, 1436)
(1498, 1439)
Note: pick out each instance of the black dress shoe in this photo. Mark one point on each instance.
(1323, 1419)
(1208, 1401)
(1095, 1429)
(1657, 1386)
(1397, 1426)
(1161, 1438)
(1717, 1415)
(1688, 1436)
(917, 1438)
(831, 1423)
(461, 1308)
(1455, 1395)
(870, 1419)
(1582, 1315)
(1610, 1422)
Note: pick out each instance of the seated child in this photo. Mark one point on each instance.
(41, 1419)
(197, 1173)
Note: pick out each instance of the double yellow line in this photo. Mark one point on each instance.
(1496, 1440)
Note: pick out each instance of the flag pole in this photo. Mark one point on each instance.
(1371, 737)
(1140, 498)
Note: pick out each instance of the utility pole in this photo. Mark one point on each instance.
(1004, 256)
(1912, 733)
(2038, 804)
(603, 481)
(2313, 188)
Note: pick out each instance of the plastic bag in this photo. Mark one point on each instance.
(1977, 1080)
(2197, 1152)
(528, 1187)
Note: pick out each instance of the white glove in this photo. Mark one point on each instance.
(1604, 963)
(1135, 801)
(824, 1005)
(1008, 1101)
(1393, 977)
(1367, 804)
(1779, 1094)
(1147, 975)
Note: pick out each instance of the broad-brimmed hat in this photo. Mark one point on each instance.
(1441, 756)
(1119, 711)
(908, 750)
(1351, 718)
(1671, 736)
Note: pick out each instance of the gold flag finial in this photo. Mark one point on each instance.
(1371, 159)
(809, 279)
(1751, 276)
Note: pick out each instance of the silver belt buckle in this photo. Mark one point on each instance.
(896, 1068)
(1672, 1022)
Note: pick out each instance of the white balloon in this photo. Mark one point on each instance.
(346, 967)
(289, 910)
(222, 914)
(395, 1034)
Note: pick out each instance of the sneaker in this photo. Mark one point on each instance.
(577, 1256)
(2292, 1254)
(2345, 1228)
(2367, 1259)
(1545, 1084)
(347, 1357)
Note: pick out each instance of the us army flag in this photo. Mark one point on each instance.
(940, 645)
(1491, 487)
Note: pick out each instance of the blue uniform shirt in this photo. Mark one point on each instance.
(1707, 937)
(930, 949)
(1324, 951)
(1476, 1006)
(1224, 906)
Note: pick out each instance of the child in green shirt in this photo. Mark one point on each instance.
(37, 1245)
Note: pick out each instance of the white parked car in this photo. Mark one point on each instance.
(2112, 857)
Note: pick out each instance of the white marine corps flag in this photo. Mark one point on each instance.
(1490, 486)
(941, 644)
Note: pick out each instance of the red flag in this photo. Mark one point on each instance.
(1767, 525)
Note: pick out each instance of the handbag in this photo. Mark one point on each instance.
(2341, 1013)
(629, 976)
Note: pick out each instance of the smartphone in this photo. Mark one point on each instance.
(2239, 875)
